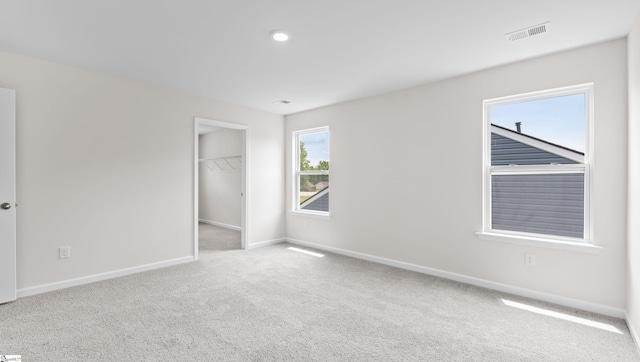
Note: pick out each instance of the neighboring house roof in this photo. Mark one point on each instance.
(320, 185)
(515, 199)
(317, 202)
(558, 152)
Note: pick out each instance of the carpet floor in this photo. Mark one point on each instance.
(213, 237)
(277, 304)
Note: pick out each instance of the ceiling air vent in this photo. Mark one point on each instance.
(528, 32)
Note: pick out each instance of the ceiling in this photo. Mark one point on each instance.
(339, 49)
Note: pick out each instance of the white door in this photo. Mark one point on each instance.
(7, 195)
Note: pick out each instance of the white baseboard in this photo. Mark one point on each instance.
(260, 244)
(633, 331)
(25, 292)
(222, 225)
(523, 292)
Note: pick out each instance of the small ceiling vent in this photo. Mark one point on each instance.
(528, 32)
(281, 102)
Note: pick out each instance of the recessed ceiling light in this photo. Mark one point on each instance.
(280, 35)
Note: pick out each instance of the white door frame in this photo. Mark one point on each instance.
(244, 230)
(8, 283)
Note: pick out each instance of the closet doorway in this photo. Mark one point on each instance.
(220, 180)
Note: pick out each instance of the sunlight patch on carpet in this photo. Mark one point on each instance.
(306, 252)
(566, 317)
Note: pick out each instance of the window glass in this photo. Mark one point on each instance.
(550, 204)
(313, 171)
(556, 120)
(537, 180)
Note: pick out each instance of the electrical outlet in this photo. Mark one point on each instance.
(529, 259)
(65, 252)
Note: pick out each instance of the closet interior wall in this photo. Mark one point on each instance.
(220, 177)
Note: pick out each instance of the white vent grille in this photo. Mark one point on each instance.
(528, 32)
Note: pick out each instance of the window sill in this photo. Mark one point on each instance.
(540, 242)
(317, 215)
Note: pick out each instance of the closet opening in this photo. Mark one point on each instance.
(220, 192)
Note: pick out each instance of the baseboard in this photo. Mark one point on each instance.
(265, 243)
(39, 289)
(523, 292)
(222, 225)
(633, 331)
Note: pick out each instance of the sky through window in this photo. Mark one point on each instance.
(559, 120)
(317, 146)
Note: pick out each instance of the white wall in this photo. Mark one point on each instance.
(406, 177)
(105, 165)
(219, 197)
(633, 217)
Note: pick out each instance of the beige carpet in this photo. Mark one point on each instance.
(217, 238)
(275, 304)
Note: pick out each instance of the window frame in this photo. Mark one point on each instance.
(297, 173)
(584, 244)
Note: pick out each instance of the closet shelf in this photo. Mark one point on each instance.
(223, 164)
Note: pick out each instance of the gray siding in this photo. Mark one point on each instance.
(317, 204)
(551, 204)
(505, 151)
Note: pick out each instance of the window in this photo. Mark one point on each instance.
(311, 164)
(537, 165)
